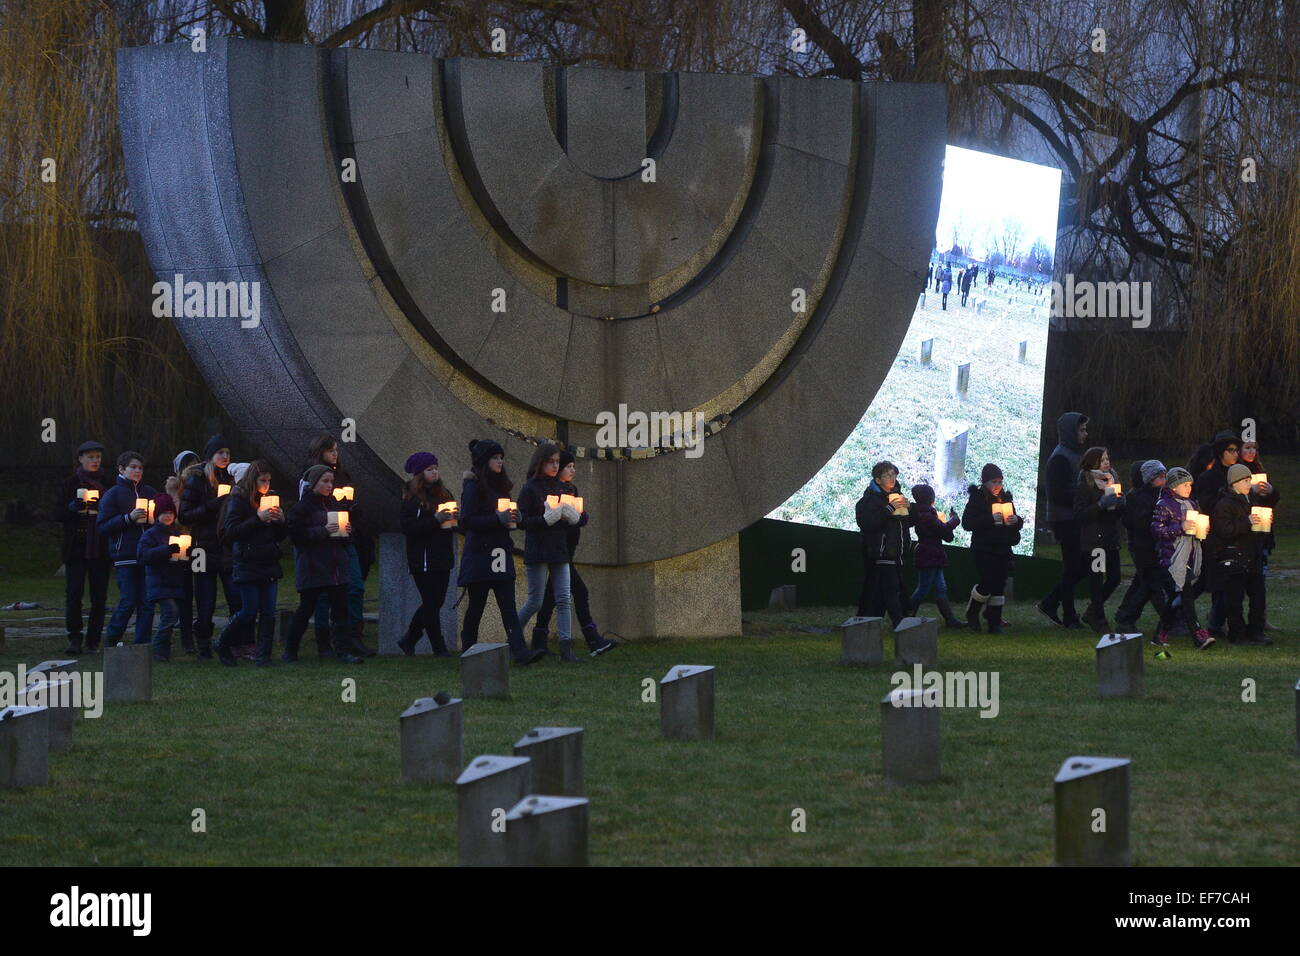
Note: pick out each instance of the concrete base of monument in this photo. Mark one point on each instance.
(691, 595)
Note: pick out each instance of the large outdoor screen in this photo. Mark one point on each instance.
(967, 385)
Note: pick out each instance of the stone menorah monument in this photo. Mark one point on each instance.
(453, 249)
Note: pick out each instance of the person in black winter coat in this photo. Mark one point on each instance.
(1062, 475)
(166, 573)
(992, 536)
(320, 563)
(85, 557)
(1097, 510)
(930, 560)
(1265, 494)
(546, 544)
(430, 549)
(325, 451)
(254, 534)
(1208, 486)
(487, 564)
(884, 518)
(121, 523)
(1146, 478)
(202, 497)
(1236, 566)
(597, 643)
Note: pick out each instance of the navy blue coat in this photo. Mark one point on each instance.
(255, 544)
(115, 524)
(544, 543)
(428, 545)
(199, 509)
(163, 577)
(319, 560)
(484, 533)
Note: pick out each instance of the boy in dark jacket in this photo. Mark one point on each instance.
(1265, 494)
(1147, 478)
(991, 540)
(1062, 472)
(85, 557)
(932, 530)
(320, 563)
(122, 524)
(884, 519)
(1208, 487)
(1235, 568)
(165, 573)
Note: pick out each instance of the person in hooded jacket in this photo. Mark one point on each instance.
(1265, 494)
(487, 564)
(1097, 510)
(546, 544)
(202, 498)
(122, 523)
(84, 553)
(597, 643)
(1208, 487)
(1062, 474)
(929, 558)
(254, 534)
(1146, 478)
(320, 563)
(1180, 560)
(166, 573)
(992, 536)
(430, 549)
(1236, 566)
(884, 518)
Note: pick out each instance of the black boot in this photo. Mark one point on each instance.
(356, 644)
(291, 642)
(973, 608)
(541, 640)
(566, 653)
(520, 652)
(993, 614)
(913, 609)
(203, 641)
(324, 645)
(74, 645)
(945, 609)
(597, 643)
(265, 638)
(1095, 619)
(412, 637)
(222, 646)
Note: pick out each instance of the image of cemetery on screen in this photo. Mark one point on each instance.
(997, 217)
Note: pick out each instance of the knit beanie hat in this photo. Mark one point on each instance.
(420, 461)
(990, 472)
(214, 445)
(923, 494)
(163, 503)
(1236, 473)
(313, 475)
(1176, 476)
(566, 458)
(1152, 470)
(481, 450)
(237, 469)
(180, 460)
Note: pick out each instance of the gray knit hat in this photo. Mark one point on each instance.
(1176, 476)
(313, 476)
(1152, 470)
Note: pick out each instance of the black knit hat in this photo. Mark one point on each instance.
(566, 458)
(923, 494)
(482, 449)
(214, 445)
(990, 472)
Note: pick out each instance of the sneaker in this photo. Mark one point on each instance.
(1161, 639)
(347, 657)
(1050, 614)
(1202, 640)
(1164, 655)
(602, 647)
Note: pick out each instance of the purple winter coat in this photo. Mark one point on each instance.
(1166, 526)
(930, 535)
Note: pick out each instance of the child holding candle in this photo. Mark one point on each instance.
(320, 563)
(430, 549)
(1097, 507)
(1179, 557)
(1236, 569)
(597, 643)
(883, 518)
(546, 544)
(487, 563)
(166, 573)
(993, 535)
(85, 557)
(1146, 478)
(931, 531)
(254, 532)
(201, 503)
(121, 522)
(325, 451)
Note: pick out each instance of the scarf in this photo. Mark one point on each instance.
(1185, 566)
(91, 479)
(1100, 477)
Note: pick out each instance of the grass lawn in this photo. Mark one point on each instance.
(290, 774)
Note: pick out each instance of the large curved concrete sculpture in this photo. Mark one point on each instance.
(485, 181)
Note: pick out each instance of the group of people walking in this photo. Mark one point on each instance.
(1164, 512)
(217, 523)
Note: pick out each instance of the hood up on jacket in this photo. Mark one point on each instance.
(1067, 430)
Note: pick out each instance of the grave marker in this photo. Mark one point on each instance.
(1121, 666)
(909, 735)
(547, 831)
(56, 697)
(490, 783)
(1084, 836)
(960, 384)
(926, 351)
(24, 747)
(128, 673)
(950, 456)
(485, 671)
(556, 753)
(433, 737)
(784, 597)
(916, 641)
(686, 703)
(862, 641)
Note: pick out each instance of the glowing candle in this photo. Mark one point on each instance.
(447, 507)
(268, 502)
(1004, 508)
(1202, 526)
(223, 490)
(88, 495)
(573, 501)
(1265, 519)
(345, 493)
(899, 503)
(145, 505)
(505, 504)
(184, 541)
(1259, 479)
(1114, 488)
(943, 518)
(554, 501)
(339, 518)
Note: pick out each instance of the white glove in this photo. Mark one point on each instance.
(553, 515)
(570, 513)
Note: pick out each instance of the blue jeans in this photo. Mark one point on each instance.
(256, 597)
(130, 586)
(537, 595)
(927, 579)
(162, 638)
(356, 593)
